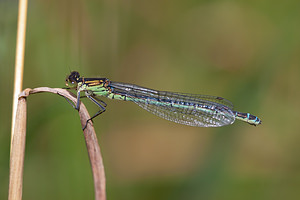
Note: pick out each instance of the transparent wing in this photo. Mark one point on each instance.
(188, 109)
(215, 99)
(204, 113)
(127, 89)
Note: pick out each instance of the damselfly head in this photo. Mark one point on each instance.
(72, 79)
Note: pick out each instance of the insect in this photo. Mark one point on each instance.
(188, 109)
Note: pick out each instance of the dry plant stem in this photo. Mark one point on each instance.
(19, 60)
(90, 138)
(17, 153)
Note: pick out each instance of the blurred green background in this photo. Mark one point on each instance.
(245, 51)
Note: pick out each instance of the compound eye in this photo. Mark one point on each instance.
(72, 79)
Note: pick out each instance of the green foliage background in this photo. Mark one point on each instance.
(245, 51)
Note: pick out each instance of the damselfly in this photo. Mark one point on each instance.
(189, 109)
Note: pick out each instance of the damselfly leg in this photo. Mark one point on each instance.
(98, 103)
